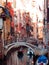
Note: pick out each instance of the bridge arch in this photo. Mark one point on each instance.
(16, 45)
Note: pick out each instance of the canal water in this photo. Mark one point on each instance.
(12, 59)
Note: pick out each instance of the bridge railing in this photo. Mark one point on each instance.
(13, 39)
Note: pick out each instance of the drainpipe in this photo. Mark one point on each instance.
(45, 39)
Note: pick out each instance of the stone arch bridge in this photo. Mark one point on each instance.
(34, 48)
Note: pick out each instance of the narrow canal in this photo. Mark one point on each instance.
(12, 58)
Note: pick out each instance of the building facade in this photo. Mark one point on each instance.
(36, 10)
